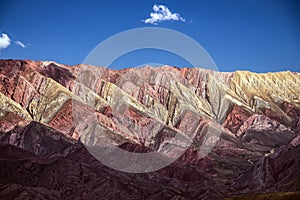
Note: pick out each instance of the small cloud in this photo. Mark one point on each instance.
(4, 41)
(162, 13)
(21, 44)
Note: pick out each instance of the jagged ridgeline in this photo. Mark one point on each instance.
(244, 130)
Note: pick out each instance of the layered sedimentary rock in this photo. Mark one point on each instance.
(229, 134)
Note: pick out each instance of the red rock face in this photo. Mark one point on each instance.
(42, 153)
(236, 118)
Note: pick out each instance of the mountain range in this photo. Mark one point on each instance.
(218, 134)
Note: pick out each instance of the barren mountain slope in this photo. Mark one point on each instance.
(248, 124)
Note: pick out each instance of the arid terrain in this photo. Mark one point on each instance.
(244, 130)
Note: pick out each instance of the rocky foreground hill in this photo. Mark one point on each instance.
(243, 128)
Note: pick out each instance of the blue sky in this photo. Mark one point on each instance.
(250, 35)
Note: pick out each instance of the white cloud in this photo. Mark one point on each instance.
(162, 13)
(21, 44)
(4, 41)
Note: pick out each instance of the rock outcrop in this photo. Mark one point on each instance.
(229, 134)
